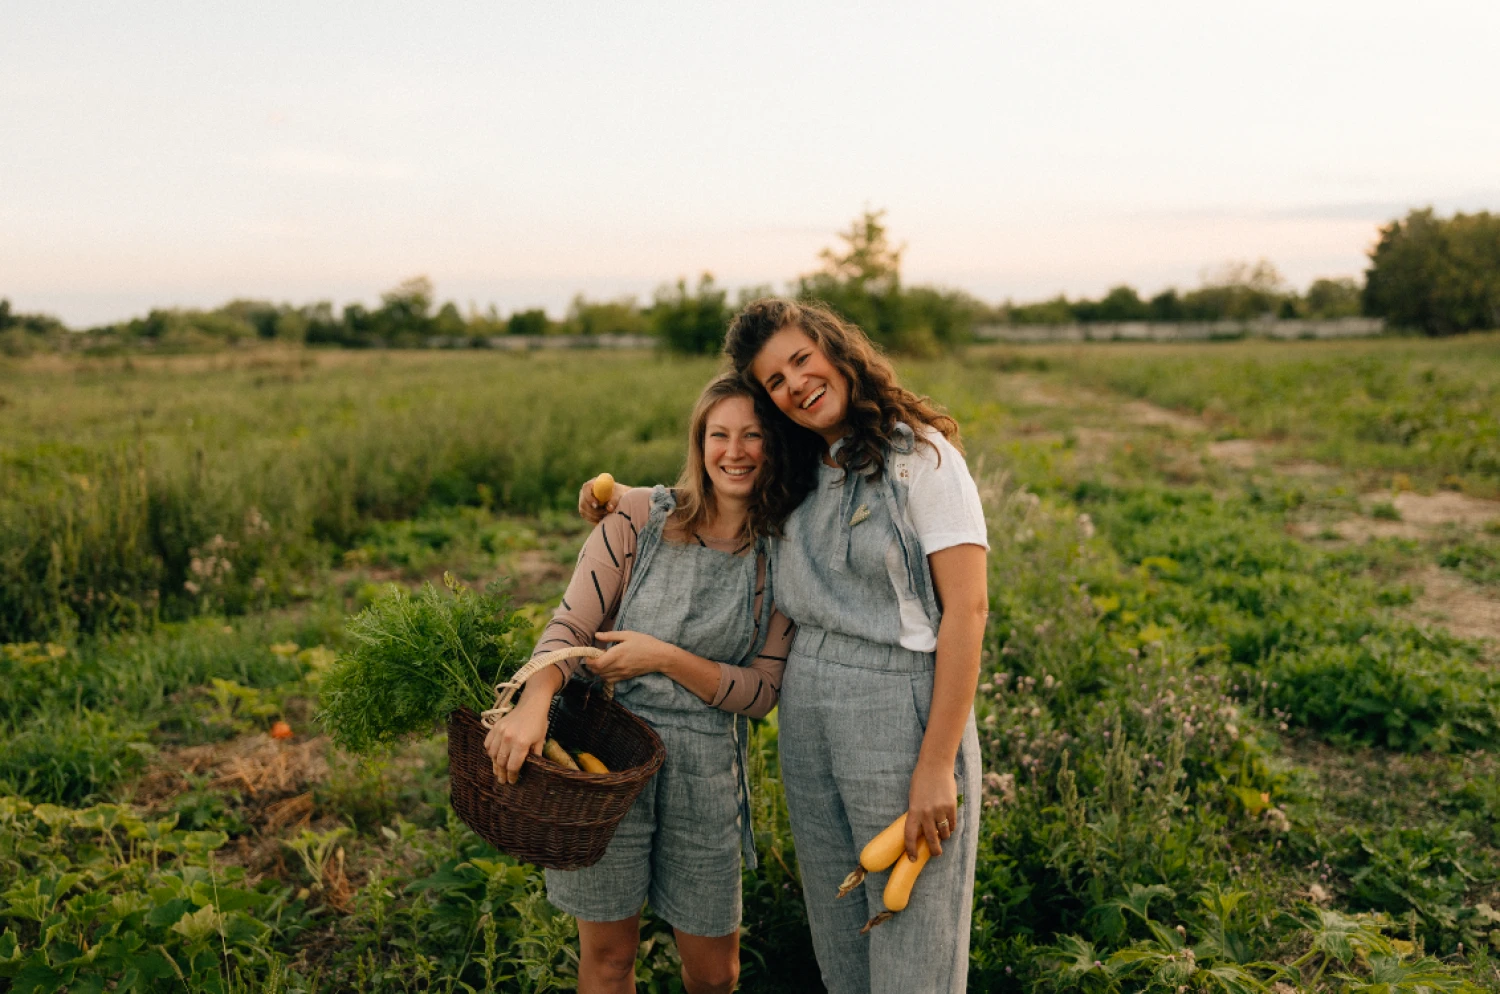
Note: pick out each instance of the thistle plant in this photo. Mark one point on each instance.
(415, 659)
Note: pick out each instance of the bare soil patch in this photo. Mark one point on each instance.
(1458, 605)
(1446, 507)
(1143, 413)
(1359, 529)
(1241, 453)
(256, 766)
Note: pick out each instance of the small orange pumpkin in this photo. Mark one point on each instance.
(281, 730)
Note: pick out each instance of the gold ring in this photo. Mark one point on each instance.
(943, 824)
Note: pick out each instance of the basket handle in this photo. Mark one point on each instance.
(505, 692)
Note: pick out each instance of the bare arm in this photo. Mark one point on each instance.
(958, 573)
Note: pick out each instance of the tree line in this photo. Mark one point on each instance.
(1430, 274)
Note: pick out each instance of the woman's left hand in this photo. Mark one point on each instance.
(931, 809)
(633, 654)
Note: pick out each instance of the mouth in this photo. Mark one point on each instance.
(737, 472)
(817, 395)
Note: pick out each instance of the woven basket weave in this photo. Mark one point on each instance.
(554, 817)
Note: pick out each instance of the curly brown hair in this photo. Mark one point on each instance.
(876, 401)
(785, 476)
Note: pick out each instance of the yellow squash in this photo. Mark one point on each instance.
(879, 853)
(604, 488)
(591, 763)
(904, 876)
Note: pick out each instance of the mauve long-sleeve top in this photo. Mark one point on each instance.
(593, 600)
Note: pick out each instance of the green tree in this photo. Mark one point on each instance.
(532, 322)
(609, 317)
(1439, 276)
(691, 322)
(403, 317)
(862, 278)
(1237, 291)
(1335, 298)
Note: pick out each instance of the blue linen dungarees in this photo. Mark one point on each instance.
(854, 707)
(680, 844)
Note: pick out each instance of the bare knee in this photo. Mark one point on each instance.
(710, 966)
(612, 962)
(607, 952)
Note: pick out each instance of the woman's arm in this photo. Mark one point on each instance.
(958, 573)
(590, 509)
(750, 690)
(592, 597)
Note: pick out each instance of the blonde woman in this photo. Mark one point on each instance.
(678, 583)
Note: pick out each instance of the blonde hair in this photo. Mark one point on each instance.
(779, 486)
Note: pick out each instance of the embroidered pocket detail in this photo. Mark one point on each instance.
(860, 515)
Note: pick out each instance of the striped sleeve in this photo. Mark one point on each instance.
(754, 690)
(601, 575)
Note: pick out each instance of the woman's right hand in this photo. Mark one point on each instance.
(522, 731)
(591, 510)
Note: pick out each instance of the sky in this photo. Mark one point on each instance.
(183, 154)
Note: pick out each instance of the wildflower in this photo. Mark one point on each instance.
(1086, 525)
(1318, 895)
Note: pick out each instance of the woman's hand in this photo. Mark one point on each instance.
(633, 654)
(591, 510)
(522, 731)
(931, 808)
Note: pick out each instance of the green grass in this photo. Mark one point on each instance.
(1428, 409)
(1201, 730)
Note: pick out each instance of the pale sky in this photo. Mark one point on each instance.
(182, 154)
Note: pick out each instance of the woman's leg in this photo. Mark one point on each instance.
(606, 956)
(710, 964)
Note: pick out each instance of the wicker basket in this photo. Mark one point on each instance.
(554, 817)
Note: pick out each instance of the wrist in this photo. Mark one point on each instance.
(930, 764)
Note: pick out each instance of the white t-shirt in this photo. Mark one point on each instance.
(943, 509)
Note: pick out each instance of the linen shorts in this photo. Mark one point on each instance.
(678, 846)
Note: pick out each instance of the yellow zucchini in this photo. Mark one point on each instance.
(881, 851)
(591, 763)
(898, 887)
(604, 488)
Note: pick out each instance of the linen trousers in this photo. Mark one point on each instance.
(852, 717)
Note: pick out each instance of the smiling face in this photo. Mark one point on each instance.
(733, 448)
(802, 382)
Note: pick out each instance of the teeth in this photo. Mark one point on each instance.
(746, 471)
(820, 392)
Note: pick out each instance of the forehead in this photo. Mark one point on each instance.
(730, 411)
(779, 349)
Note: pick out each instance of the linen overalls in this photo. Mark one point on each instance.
(853, 710)
(680, 844)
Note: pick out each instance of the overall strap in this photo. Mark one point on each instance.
(648, 540)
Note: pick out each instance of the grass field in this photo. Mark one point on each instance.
(1239, 705)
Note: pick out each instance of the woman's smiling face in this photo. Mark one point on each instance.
(802, 382)
(733, 447)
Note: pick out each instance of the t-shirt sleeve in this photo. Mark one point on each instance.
(943, 501)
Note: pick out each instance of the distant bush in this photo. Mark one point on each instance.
(1441, 276)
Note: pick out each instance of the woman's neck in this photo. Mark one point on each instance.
(726, 518)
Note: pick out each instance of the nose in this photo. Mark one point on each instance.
(736, 447)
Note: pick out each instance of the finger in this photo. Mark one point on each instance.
(513, 764)
(913, 833)
(929, 830)
(610, 636)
